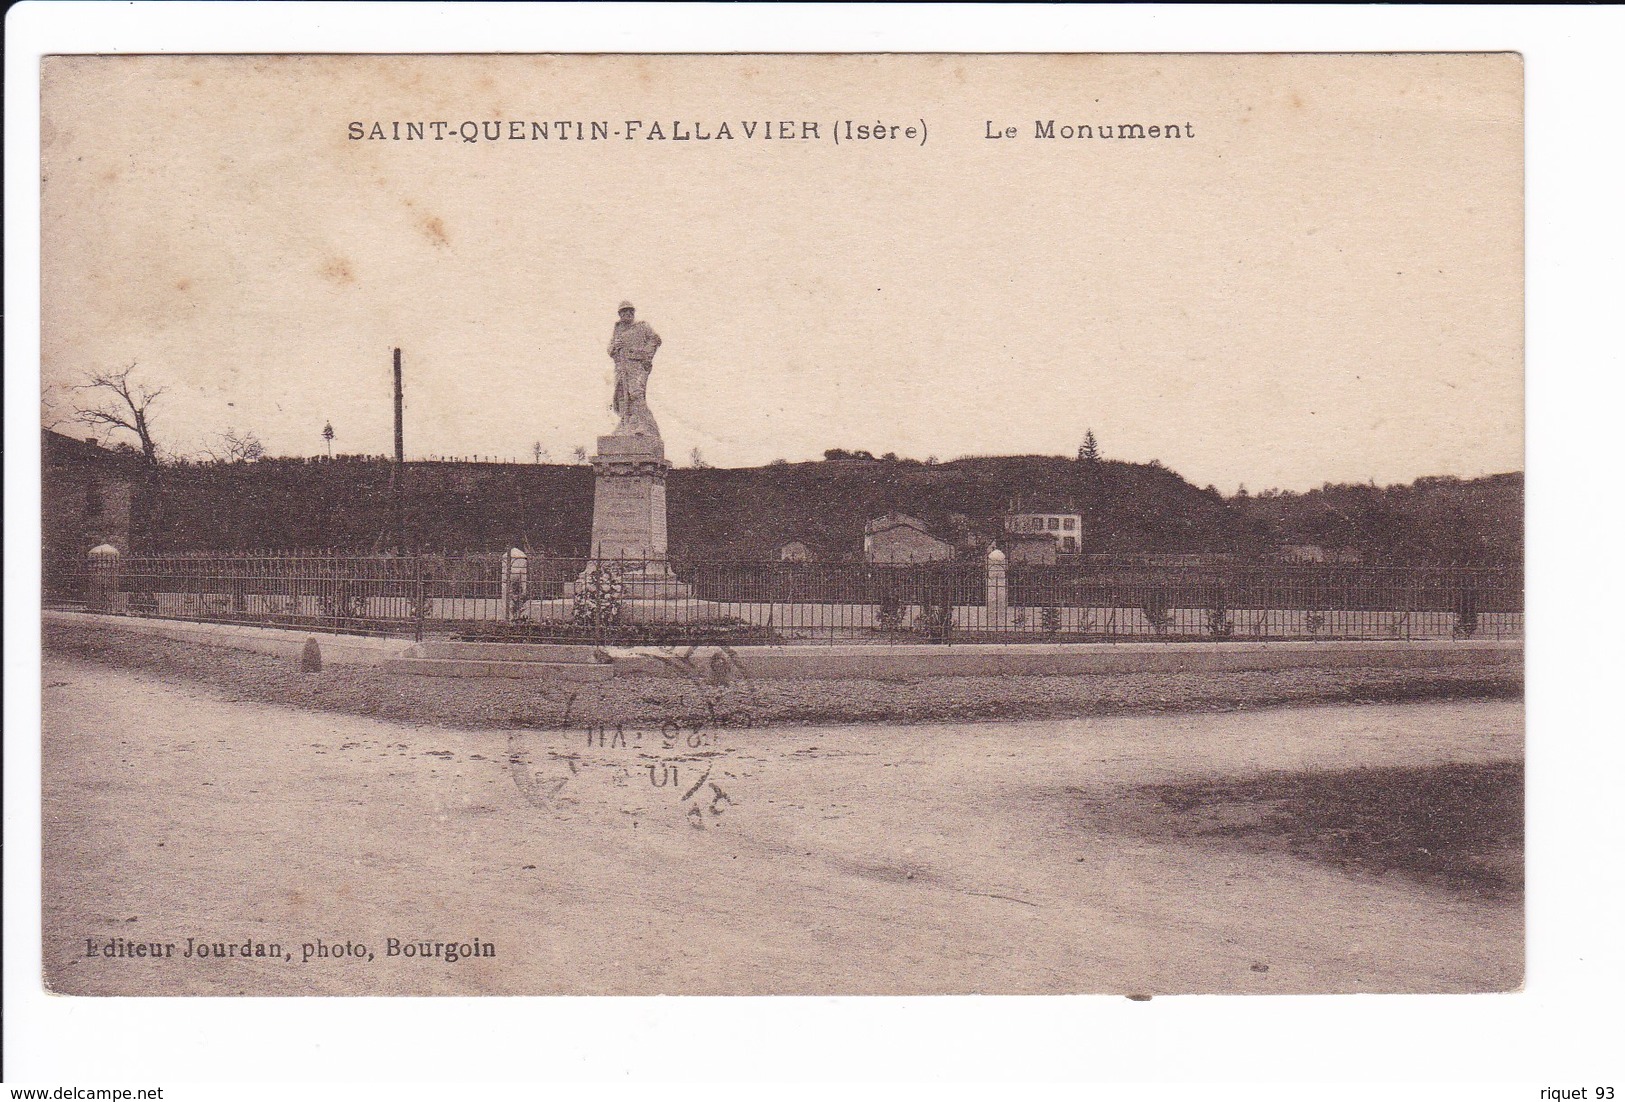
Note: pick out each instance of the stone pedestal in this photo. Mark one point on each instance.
(104, 577)
(998, 589)
(629, 514)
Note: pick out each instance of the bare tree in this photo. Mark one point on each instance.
(50, 401)
(236, 447)
(697, 461)
(117, 402)
(327, 435)
(542, 455)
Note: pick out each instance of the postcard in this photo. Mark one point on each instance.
(864, 524)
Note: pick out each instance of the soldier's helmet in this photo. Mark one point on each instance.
(624, 306)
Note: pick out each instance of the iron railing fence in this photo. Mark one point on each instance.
(607, 602)
(366, 594)
(1275, 601)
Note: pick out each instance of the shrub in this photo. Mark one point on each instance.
(937, 609)
(1466, 624)
(343, 601)
(889, 614)
(519, 600)
(1157, 610)
(1219, 623)
(937, 621)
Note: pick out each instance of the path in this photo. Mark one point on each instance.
(892, 860)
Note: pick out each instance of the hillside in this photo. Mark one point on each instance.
(751, 512)
(1432, 520)
(825, 505)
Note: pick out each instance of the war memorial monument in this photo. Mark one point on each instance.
(630, 466)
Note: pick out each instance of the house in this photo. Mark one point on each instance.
(1033, 547)
(795, 551)
(897, 538)
(1057, 520)
(88, 496)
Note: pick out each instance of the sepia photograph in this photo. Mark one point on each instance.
(782, 524)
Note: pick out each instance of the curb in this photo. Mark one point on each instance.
(336, 650)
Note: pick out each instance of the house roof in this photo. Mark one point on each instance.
(895, 520)
(1044, 502)
(63, 450)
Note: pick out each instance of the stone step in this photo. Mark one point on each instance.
(510, 652)
(476, 667)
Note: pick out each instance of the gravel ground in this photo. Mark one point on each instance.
(1265, 851)
(505, 704)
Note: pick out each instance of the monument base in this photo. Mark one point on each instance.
(644, 580)
(629, 519)
(629, 499)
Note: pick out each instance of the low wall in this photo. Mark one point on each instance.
(885, 661)
(342, 650)
(812, 621)
(1054, 659)
(808, 621)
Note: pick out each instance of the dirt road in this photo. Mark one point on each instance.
(864, 859)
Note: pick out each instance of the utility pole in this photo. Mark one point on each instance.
(397, 478)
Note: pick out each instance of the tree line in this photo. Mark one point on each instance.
(235, 497)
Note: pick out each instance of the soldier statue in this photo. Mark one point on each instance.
(632, 346)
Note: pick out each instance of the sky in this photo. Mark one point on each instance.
(1322, 283)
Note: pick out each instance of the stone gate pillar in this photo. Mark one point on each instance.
(998, 590)
(104, 577)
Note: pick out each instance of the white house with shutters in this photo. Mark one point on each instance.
(1059, 523)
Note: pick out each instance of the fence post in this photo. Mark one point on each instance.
(335, 588)
(420, 611)
(998, 589)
